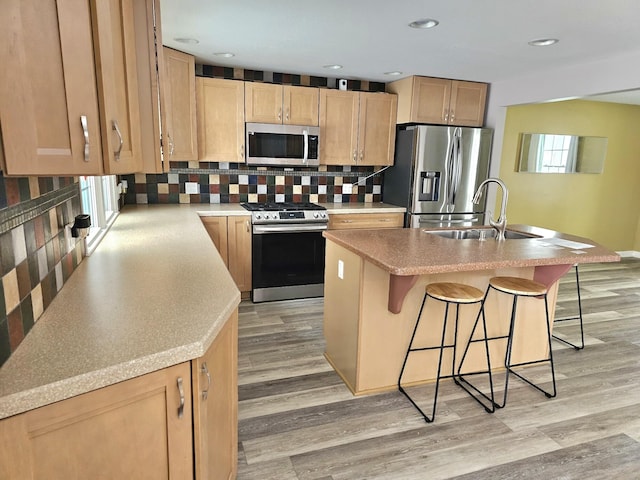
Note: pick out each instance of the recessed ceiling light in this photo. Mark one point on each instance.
(393, 74)
(224, 54)
(424, 23)
(190, 41)
(332, 67)
(543, 42)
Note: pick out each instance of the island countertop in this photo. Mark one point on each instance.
(155, 293)
(411, 251)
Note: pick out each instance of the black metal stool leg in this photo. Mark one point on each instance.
(509, 366)
(459, 377)
(579, 317)
(441, 348)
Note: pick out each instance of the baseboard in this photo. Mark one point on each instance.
(629, 253)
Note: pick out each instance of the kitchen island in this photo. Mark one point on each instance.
(374, 284)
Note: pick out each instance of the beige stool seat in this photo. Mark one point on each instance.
(518, 286)
(451, 294)
(454, 292)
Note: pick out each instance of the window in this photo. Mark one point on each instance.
(99, 196)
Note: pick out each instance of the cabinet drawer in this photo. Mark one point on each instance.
(365, 220)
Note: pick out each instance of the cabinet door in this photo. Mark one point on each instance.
(338, 127)
(220, 107)
(467, 103)
(263, 102)
(117, 85)
(239, 245)
(48, 96)
(301, 105)
(180, 104)
(217, 229)
(215, 406)
(128, 430)
(377, 128)
(430, 102)
(149, 64)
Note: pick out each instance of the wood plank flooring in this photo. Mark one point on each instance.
(297, 420)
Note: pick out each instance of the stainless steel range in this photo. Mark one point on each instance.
(287, 250)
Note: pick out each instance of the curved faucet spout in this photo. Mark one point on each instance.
(501, 224)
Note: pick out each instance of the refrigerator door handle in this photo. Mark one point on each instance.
(450, 165)
(457, 162)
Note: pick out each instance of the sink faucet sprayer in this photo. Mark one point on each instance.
(501, 224)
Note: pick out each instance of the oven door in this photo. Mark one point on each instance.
(287, 261)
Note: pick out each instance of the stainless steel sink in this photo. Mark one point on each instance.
(475, 233)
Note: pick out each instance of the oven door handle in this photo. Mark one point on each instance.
(266, 229)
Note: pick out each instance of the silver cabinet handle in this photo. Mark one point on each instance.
(287, 114)
(453, 116)
(248, 225)
(280, 114)
(446, 116)
(181, 391)
(205, 370)
(361, 155)
(355, 156)
(85, 132)
(242, 151)
(171, 145)
(114, 127)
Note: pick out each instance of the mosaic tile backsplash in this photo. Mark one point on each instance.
(34, 262)
(233, 183)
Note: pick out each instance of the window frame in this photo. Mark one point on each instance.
(99, 197)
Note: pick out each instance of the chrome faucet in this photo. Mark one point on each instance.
(501, 224)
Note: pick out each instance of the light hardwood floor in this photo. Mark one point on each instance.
(297, 420)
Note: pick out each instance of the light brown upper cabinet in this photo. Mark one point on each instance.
(69, 100)
(117, 85)
(179, 128)
(357, 128)
(285, 104)
(220, 108)
(48, 96)
(440, 101)
(151, 83)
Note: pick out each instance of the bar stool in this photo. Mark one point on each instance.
(574, 318)
(517, 287)
(449, 293)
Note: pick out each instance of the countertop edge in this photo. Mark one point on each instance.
(60, 386)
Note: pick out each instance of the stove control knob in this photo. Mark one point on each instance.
(258, 216)
(323, 215)
(316, 215)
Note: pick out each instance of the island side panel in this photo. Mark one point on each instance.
(342, 310)
(384, 336)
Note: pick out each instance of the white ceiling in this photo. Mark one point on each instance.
(475, 40)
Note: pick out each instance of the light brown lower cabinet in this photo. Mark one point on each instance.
(141, 428)
(345, 221)
(232, 237)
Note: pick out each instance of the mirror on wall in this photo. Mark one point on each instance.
(553, 153)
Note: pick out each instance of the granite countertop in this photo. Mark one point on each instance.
(410, 251)
(154, 293)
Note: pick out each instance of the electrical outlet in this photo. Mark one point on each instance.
(347, 188)
(340, 269)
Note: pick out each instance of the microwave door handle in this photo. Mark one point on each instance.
(305, 133)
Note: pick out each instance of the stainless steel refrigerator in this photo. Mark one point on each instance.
(436, 172)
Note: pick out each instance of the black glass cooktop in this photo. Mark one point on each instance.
(281, 206)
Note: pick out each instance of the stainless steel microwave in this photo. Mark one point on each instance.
(285, 145)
